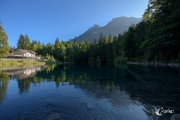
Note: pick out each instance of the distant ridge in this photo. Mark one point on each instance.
(114, 27)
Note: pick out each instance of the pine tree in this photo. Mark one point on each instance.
(26, 42)
(21, 42)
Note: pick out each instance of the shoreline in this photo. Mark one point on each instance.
(12, 63)
(155, 63)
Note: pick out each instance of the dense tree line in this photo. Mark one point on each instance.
(156, 37)
(161, 40)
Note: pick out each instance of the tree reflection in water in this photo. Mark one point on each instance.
(122, 85)
(4, 80)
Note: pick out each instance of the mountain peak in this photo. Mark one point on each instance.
(114, 27)
(97, 26)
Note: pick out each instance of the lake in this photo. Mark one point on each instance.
(89, 92)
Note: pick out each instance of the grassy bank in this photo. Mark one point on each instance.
(7, 63)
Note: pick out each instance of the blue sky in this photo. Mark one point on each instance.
(45, 20)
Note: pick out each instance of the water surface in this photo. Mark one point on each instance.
(89, 91)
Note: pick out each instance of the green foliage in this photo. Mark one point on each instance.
(27, 43)
(34, 47)
(163, 34)
(23, 42)
(120, 59)
(4, 47)
(52, 58)
(47, 56)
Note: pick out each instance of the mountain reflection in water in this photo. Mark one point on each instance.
(89, 91)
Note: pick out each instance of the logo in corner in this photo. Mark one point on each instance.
(160, 111)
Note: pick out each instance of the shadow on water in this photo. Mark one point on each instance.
(122, 85)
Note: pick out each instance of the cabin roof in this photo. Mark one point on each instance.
(21, 52)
